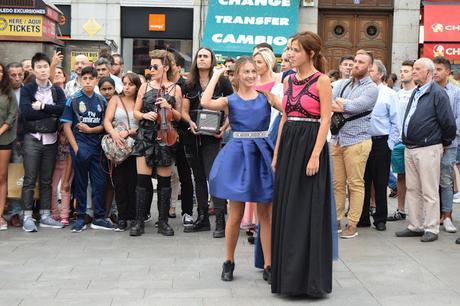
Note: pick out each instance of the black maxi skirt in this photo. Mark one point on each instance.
(301, 225)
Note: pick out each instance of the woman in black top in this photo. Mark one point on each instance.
(159, 92)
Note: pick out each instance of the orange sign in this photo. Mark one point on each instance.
(157, 22)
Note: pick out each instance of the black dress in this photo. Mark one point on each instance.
(301, 226)
(156, 154)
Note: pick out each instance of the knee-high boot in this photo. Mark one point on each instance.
(141, 196)
(164, 202)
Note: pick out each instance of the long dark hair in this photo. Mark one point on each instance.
(194, 80)
(134, 78)
(5, 86)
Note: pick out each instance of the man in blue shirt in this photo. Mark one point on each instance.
(83, 126)
(385, 133)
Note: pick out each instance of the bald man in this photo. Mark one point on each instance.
(81, 61)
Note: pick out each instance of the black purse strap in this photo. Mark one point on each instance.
(357, 116)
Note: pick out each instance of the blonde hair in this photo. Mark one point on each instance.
(268, 56)
(166, 59)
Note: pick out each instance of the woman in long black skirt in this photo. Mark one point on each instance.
(301, 228)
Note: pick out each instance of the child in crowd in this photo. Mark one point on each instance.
(83, 126)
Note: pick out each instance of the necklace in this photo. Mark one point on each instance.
(204, 83)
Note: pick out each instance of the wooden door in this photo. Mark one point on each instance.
(343, 33)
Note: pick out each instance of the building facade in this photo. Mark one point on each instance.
(132, 27)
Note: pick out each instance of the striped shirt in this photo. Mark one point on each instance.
(360, 96)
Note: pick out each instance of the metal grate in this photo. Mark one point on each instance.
(18, 3)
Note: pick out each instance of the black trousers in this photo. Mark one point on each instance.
(185, 178)
(124, 180)
(39, 161)
(200, 158)
(376, 174)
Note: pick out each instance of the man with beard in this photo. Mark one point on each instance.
(201, 150)
(350, 147)
(81, 61)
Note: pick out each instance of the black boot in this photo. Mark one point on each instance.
(202, 222)
(227, 271)
(220, 225)
(164, 202)
(138, 228)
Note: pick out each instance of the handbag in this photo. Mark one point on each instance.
(16, 180)
(338, 120)
(111, 150)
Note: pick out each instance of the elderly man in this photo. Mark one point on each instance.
(81, 61)
(428, 129)
(350, 148)
(385, 133)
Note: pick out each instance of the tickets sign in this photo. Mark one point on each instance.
(236, 26)
(21, 25)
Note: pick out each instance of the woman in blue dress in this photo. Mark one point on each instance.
(242, 170)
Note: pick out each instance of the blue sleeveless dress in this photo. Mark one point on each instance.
(242, 169)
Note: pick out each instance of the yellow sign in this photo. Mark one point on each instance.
(21, 25)
(91, 55)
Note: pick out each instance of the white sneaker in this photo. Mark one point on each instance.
(449, 226)
(187, 222)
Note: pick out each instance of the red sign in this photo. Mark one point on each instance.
(442, 22)
(449, 51)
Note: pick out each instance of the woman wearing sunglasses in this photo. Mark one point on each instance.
(159, 92)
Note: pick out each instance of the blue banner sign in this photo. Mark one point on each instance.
(236, 26)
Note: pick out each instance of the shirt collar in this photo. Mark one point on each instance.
(364, 80)
(46, 87)
(423, 88)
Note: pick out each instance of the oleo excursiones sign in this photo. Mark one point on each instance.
(442, 23)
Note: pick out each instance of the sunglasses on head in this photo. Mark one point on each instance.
(155, 67)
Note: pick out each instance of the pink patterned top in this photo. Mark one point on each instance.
(301, 98)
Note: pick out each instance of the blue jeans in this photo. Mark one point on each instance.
(445, 184)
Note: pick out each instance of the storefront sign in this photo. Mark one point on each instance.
(21, 25)
(238, 25)
(157, 22)
(441, 23)
(449, 51)
(91, 55)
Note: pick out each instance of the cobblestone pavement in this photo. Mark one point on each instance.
(56, 267)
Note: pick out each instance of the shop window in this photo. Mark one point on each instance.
(141, 48)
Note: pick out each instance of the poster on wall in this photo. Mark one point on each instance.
(236, 26)
(21, 25)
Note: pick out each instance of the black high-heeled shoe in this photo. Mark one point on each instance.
(267, 275)
(227, 271)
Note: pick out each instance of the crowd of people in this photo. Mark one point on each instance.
(291, 145)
